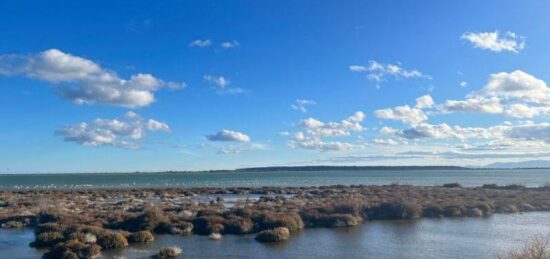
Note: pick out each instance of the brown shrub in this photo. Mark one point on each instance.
(338, 220)
(168, 252)
(110, 240)
(206, 225)
(238, 225)
(273, 235)
(453, 211)
(145, 221)
(47, 239)
(270, 220)
(433, 212)
(73, 249)
(395, 210)
(141, 237)
(537, 248)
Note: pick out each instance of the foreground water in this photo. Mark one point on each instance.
(469, 177)
(426, 238)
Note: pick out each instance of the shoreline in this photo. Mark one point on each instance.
(66, 217)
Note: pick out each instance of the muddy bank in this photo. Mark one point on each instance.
(79, 224)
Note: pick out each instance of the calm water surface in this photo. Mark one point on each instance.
(529, 177)
(427, 238)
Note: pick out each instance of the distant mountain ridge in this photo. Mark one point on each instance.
(344, 168)
(522, 164)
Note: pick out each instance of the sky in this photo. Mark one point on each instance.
(103, 86)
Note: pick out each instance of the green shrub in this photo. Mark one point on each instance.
(452, 185)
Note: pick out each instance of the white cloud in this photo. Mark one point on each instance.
(357, 68)
(220, 81)
(463, 84)
(125, 132)
(237, 149)
(404, 113)
(438, 131)
(523, 111)
(474, 105)
(424, 101)
(503, 133)
(345, 127)
(230, 44)
(516, 94)
(229, 135)
(222, 85)
(385, 142)
(518, 86)
(313, 134)
(322, 146)
(84, 81)
(529, 131)
(200, 43)
(494, 41)
(378, 72)
(300, 105)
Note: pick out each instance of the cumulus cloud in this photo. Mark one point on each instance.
(229, 135)
(378, 72)
(525, 132)
(474, 105)
(230, 44)
(494, 41)
(83, 81)
(385, 142)
(314, 133)
(438, 131)
(345, 127)
(300, 105)
(530, 131)
(424, 101)
(404, 113)
(517, 86)
(200, 43)
(519, 110)
(516, 94)
(125, 132)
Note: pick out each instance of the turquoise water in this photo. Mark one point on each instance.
(427, 238)
(471, 177)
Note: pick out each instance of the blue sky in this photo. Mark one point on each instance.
(190, 85)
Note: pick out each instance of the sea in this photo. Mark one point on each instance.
(424, 177)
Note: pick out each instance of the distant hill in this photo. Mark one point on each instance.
(344, 168)
(522, 164)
